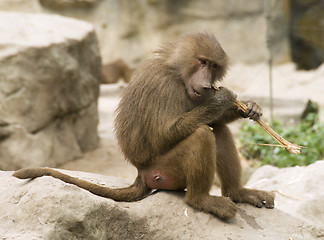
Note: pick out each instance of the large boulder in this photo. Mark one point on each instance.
(49, 86)
(299, 190)
(47, 208)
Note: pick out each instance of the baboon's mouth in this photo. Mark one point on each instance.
(197, 93)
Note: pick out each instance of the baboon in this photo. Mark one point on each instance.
(112, 72)
(171, 125)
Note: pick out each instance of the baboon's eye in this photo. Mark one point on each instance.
(214, 66)
(203, 61)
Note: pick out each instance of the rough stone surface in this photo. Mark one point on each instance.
(46, 208)
(299, 190)
(49, 86)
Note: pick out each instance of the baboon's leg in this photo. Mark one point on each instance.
(191, 164)
(229, 170)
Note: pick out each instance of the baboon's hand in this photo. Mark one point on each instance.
(223, 97)
(253, 111)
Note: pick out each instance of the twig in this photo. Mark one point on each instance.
(290, 147)
(288, 196)
(266, 144)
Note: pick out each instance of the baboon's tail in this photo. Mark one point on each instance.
(137, 191)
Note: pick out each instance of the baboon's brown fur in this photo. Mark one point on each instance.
(114, 71)
(171, 125)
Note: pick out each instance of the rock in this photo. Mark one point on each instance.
(47, 208)
(299, 190)
(49, 85)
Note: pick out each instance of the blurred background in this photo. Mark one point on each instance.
(293, 29)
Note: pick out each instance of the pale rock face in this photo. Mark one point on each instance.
(47, 208)
(299, 190)
(49, 86)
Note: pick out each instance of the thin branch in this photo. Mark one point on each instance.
(290, 147)
(270, 145)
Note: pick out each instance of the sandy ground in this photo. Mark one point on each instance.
(291, 90)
